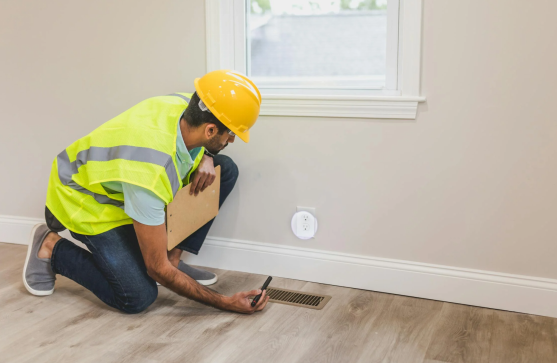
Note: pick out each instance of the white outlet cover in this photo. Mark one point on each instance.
(304, 225)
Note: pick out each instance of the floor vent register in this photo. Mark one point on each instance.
(297, 298)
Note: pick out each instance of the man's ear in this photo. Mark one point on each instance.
(211, 130)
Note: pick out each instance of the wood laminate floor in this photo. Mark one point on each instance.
(356, 326)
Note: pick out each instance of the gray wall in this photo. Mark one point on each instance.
(469, 183)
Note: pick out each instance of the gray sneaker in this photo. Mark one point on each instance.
(38, 276)
(203, 277)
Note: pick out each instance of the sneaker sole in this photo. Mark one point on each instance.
(29, 248)
(208, 282)
(204, 282)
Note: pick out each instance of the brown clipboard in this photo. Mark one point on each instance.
(187, 213)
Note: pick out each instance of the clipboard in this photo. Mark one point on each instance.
(187, 213)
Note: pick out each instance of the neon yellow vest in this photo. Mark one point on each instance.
(136, 147)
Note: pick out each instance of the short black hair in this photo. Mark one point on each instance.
(196, 117)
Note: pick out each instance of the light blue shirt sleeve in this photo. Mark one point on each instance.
(143, 205)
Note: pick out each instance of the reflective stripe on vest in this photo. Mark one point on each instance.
(125, 152)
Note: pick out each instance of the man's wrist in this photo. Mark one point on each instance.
(207, 153)
(225, 302)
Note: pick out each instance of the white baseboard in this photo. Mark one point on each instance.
(525, 294)
(16, 229)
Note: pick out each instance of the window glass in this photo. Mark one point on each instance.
(339, 40)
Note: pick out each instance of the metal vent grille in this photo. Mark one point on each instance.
(297, 298)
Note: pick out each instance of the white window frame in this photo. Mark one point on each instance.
(226, 49)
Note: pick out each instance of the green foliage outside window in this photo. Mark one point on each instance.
(361, 5)
(264, 6)
(260, 6)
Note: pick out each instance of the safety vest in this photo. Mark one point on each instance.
(136, 147)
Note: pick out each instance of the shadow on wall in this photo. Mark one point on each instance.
(268, 186)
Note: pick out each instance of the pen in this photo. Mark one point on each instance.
(263, 288)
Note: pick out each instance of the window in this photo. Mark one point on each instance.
(323, 46)
(328, 58)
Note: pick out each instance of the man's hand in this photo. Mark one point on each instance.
(153, 241)
(240, 302)
(204, 175)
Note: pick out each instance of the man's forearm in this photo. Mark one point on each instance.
(153, 241)
(177, 281)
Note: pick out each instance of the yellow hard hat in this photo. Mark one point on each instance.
(232, 97)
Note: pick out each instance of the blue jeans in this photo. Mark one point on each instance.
(114, 270)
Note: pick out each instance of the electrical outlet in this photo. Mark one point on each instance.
(305, 225)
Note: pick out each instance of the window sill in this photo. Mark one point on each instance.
(390, 107)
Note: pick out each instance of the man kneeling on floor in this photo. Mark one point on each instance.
(110, 189)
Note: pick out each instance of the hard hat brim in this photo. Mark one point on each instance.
(244, 136)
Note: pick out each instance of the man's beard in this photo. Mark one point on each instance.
(214, 147)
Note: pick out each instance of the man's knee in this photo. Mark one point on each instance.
(139, 300)
(229, 169)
